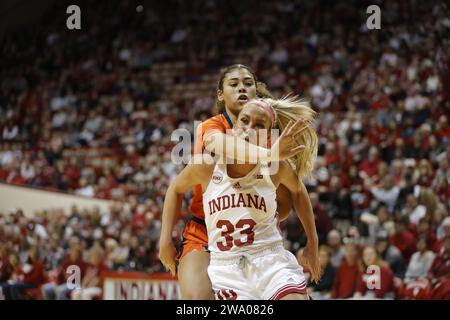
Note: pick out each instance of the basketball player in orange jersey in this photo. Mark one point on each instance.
(237, 85)
(248, 260)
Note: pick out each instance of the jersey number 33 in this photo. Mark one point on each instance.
(246, 224)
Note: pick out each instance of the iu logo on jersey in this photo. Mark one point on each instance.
(237, 185)
(217, 177)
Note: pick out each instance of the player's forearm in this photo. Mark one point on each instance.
(172, 205)
(303, 207)
(232, 147)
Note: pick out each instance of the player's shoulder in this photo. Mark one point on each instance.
(202, 163)
(217, 119)
(216, 123)
(285, 171)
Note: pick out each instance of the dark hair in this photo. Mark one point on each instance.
(403, 220)
(261, 88)
(36, 254)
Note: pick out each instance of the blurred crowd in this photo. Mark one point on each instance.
(91, 113)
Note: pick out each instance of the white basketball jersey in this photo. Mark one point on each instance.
(240, 213)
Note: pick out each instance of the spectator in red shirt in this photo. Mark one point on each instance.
(5, 268)
(14, 270)
(383, 285)
(60, 290)
(442, 127)
(331, 155)
(14, 177)
(439, 273)
(440, 269)
(92, 283)
(402, 238)
(442, 188)
(424, 229)
(370, 166)
(32, 275)
(347, 275)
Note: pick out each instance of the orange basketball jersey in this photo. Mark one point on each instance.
(219, 123)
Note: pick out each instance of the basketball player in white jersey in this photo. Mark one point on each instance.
(248, 260)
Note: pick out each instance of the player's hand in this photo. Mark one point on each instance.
(286, 146)
(310, 259)
(167, 254)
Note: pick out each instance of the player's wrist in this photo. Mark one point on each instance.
(313, 240)
(165, 240)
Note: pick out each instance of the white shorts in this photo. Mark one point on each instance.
(267, 274)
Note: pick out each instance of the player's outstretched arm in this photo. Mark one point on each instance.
(231, 147)
(191, 175)
(303, 207)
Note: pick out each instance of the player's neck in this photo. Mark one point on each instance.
(232, 116)
(239, 170)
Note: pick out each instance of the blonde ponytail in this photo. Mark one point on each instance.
(293, 108)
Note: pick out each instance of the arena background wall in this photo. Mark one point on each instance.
(13, 197)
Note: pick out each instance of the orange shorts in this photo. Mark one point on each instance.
(195, 237)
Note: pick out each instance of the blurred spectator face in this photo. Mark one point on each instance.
(335, 183)
(382, 169)
(83, 182)
(445, 250)
(124, 239)
(351, 253)
(392, 125)
(422, 244)
(388, 183)
(324, 256)
(447, 228)
(134, 242)
(96, 257)
(383, 215)
(33, 254)
(353, 171)
(423, 226)
(373, 154)
(443, 121)
(314, 199)
(74, 253)
(110, 244)
(397, 166)
(369, 256)
(443, 164)
(84, 244)
(439, 214)
(14, 260)
(425, 169)
(433, 142)
(400, 227)
(3, 251)
(149, 217)
(238, 88)
(74, 242)
(381, 245)
(411, 201)
(329, 148)
(334, 239)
